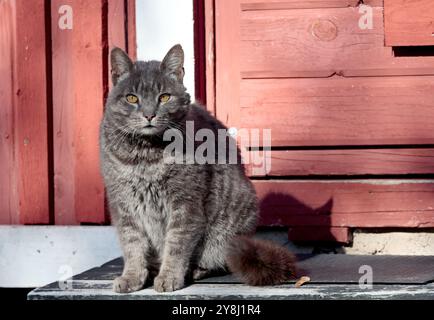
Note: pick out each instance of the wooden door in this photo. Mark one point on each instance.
(352, 125)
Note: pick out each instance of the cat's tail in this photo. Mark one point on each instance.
(260, 262)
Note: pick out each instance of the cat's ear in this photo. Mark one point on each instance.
(173, 63)
(121, 64)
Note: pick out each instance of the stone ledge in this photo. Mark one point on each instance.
(102, 290)
(333, 276)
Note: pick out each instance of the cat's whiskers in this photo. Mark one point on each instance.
(117, 130)
(118, 136)
(174, 125)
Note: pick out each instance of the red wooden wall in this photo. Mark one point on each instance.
(53, 86)
(352, 124)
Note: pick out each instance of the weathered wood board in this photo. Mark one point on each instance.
(409, 23)
(77, 110)
(247, 5)
(102, 290)
(210, 55)
(340, 111)
(319, 43)
(54, 80)
(340, 162)
(117, 37)
(332, 277)
(347, 203)
(24, 187)
(8, 196)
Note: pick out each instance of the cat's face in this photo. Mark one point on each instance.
(148, 97)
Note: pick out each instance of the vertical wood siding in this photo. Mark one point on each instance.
(78, 98)
(53, 85)
(8, 197)
(209, 17)
(23, 115)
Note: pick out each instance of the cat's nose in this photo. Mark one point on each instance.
(150, 117)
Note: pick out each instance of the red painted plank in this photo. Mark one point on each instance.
(116, 24)
(341, 111)
(396, 219)
(25, 112)
(350, 203)
(9, 213)
(122, 26)
(210, 55)
(319, 43)
(131, 29)
(333, 234)
(78, 93)
(409, 23)
(373, 3)
(347, 162)
(116, 28)
(247, 5)
(31, 112)
(227, 61)
(199, 50)
(295, 4)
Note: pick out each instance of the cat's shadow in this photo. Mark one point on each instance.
(280, 204)
(282, 209)
(274, 211)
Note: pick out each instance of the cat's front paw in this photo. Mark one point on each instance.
(168, 283)
(128, 284)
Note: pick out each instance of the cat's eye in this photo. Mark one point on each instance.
(165, 97)
(131, 98)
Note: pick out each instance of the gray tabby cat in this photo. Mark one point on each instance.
(176, 222)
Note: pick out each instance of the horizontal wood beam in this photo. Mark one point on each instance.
(349, 203)
(342, 162)
(247, 5)
(340, 111)
(320, 43)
